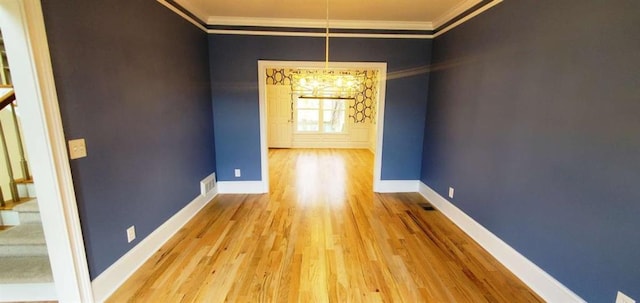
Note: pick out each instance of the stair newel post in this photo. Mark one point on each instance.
(12, 182)
(23, 162)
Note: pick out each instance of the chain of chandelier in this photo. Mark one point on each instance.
(326, 83)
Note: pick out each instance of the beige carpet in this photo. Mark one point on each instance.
(35, 269)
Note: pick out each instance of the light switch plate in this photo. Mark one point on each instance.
(450, 192)
(131, 233)
(77, 149)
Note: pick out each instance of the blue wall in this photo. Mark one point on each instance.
(534, 118)
(234, 81)
(132, 78)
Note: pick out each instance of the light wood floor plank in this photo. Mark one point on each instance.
(321, 235)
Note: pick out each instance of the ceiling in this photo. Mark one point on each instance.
(378, 14)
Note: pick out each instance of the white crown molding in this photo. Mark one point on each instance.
(533, 276)
(181, 14)
(454, 12)
(192, 8)
(322, 35)
(319, 23)
(467, 17)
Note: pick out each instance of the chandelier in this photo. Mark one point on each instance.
(326, 83)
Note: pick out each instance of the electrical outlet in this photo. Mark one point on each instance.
(77, 149)
(131, 233)
(622, 298)
(237, 172)
(451, 192)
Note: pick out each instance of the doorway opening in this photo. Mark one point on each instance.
(289, 119)
(23, 30)
(22, 242)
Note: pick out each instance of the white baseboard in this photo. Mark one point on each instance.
(396, 186)
(242, 187)
(109, 281)
(537, 279)
(331, 144)
(28, 292)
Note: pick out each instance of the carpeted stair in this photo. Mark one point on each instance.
(29, 213)
(23, 250)
(23, 240)
(32, 269)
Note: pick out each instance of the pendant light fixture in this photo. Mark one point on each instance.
(326, 83)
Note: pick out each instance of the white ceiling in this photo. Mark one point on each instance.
(378, 14)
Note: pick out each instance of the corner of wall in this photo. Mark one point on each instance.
(533, 276)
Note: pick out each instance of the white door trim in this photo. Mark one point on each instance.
(23, 29)
(262, 81)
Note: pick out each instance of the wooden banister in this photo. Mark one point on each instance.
(7, 96)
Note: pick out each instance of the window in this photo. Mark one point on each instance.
(321, 115)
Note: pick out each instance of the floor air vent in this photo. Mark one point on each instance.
(426, 206)
(208, 184)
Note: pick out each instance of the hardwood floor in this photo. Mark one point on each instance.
(321, 235)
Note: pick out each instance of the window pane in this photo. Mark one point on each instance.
(308, 120)
(308, 116)
(332, 116)
(334, 104)
(333, 121)
(308, 103)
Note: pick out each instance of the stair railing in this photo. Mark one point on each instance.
(24, 166)
(7, 99)
(13, 187)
